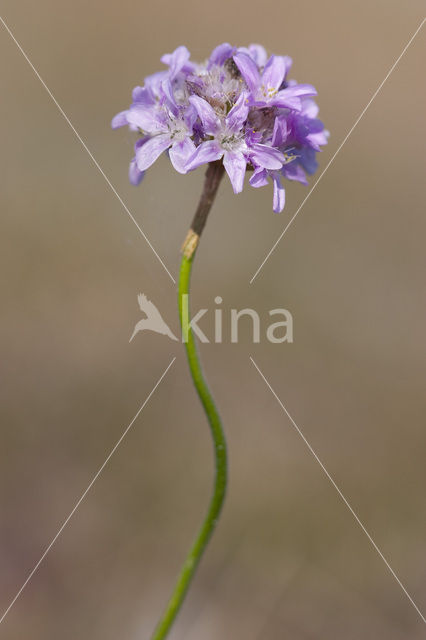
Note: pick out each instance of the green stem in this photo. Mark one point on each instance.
(213, 177)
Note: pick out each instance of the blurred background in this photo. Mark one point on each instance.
(288, 559)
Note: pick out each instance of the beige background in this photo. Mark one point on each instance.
(288, 560)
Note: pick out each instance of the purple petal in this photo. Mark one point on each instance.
(267, 157)
(310, 108)
(206, 113)
(190, 116)
(151, 150)
(135, 176)
(167, 89)
(290, 97)
(286, 101)
(258, 53)
(274, 72)
(315, 140)
(288, 63)
(259, 178)
(120, 120)
(238, 114)
(148, 120)
(308, 159)
(176, 60)
(153, 83)
(300, 90)
(279, 135)
(279, 194)
(293, 171)
(207, 152)
(142, 96)
(221, 54)
(235, 165)
(248, 69)
(180, 153)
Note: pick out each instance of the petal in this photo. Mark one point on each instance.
(167, 89)
(308, 160)
(274, 72)
(176, 60)
(180, 153)
(315, 140)
(279, 135)
(259, 178)
(285, 101)
(142, 96)
(238, 114)
(266, 157)
(153, 83)
(207, 152)
(294, 171)
(310, 108)
(258, 53)
(288, 64)
(279, 194)
(135, 176)
(290, 97)
(248, 69)
(120, 120)
(207, 115)
(148, 120)
(190, 116)
(300, 90)
(151, 150)
(221, 54)
(235, 165)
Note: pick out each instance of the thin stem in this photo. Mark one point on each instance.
(213, 176)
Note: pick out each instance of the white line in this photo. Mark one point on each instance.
(78, 503)
(339, 492)
(339, 148)
(95, 162)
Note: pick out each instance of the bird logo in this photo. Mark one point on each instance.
(153, 320)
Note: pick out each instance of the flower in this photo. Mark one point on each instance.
(238, 107)
(226, 141)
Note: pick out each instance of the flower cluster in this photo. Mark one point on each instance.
(238, 107)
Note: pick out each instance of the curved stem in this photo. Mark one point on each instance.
(220, 452)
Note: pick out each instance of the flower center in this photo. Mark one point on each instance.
(231, 141)
(178, 131)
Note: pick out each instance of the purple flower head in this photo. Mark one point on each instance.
(239, 107)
